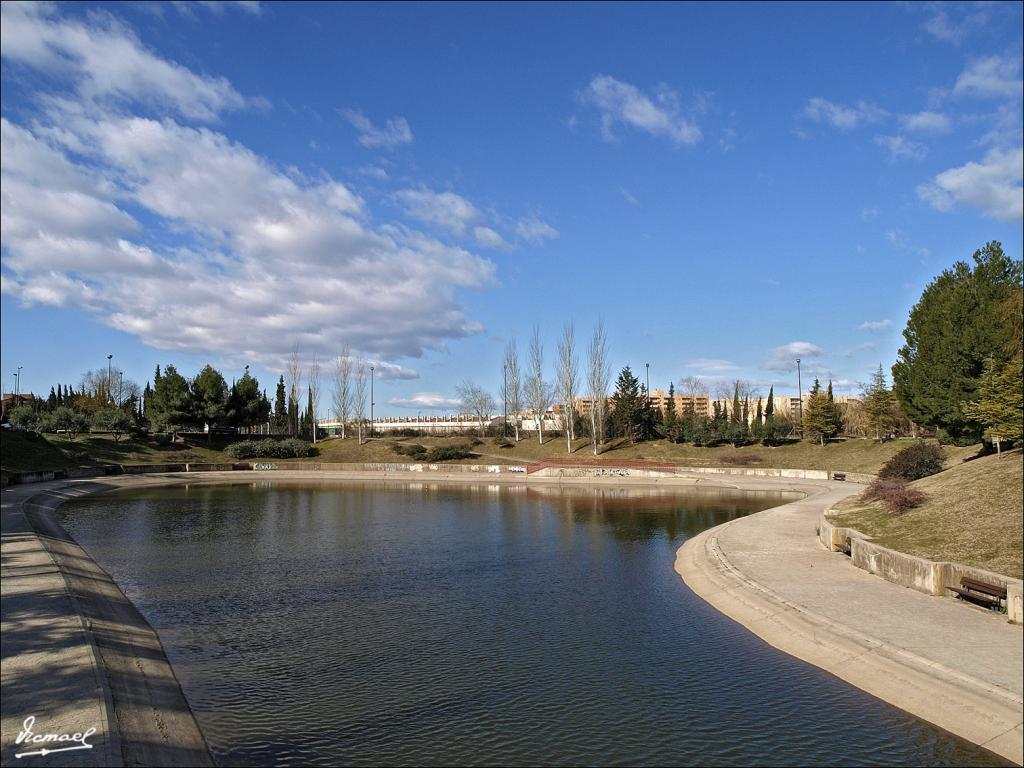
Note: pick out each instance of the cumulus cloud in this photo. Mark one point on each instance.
(394, 133)
(624, 104)
(874, 325)
(990, 77)
(486, 237)
(534, 230)
(844, 117)
(784, 358)
(105, 62)
(263, 260)
(901, 147)
(993, 186)
(217, 7)
(926, 122)
(443, 209)
(426, 401)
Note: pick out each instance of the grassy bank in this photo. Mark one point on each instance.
(974, 514)
(25, 452)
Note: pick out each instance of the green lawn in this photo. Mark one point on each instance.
(23, 452)
(974, 514)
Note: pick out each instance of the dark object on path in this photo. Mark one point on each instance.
(990, 595)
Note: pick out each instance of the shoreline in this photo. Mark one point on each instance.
(897, 665)
(163, 726)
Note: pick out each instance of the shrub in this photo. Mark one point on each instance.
(501, 442)
(741, 459)
(895, 495)
(290, 448)
(914, 462)
(409, 450)
(24, 418)
(449, 453)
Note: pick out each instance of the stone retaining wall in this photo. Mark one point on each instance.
(929, 576)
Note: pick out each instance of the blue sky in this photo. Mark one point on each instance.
(727, 186)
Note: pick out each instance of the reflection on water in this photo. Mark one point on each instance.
(438, 624)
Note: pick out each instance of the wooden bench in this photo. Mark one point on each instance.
(991, 595)
(841, 476)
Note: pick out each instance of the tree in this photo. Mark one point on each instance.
(209, 397)
(343, 388)
(952, 330)
(1000, 404)
(172, 402)
(630, 406)
(247, 406)
(280, 407)
(476, 400)
(819, 421)
(568, 374)
(360, 397)
(314, 394)
(293, 369)
(64, 419)
(112, 420)
(23, 417)
(513, 384)
(879, 404)
(598, 378)
(538, 391)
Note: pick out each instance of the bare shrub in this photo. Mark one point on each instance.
(895, 495)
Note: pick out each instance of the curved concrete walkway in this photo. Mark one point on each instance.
(959, 667)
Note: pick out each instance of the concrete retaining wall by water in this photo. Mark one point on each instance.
(929, 576)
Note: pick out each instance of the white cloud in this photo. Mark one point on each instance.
(426, 401)
(623, 103)
(105, 62)
(874, 325)
(487, 238)
(784, 358)
(711, 365)
(869, 213)
(443, 209)
(534, 230)
(217, 7)
(990, 77)
(926, 122)
(841, 116)
(993, 186)
(374, 172)
(900, 147)
(269, 260)
(395, 132)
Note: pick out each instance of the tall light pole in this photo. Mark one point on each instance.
(15, 400)
(800, 396)
(17, 387)
(371, 401)
(648, 366)
(504, 397)
(120, 387)
(109, 387)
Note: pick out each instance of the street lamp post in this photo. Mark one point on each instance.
(17, 383)
(800, 396)
(371, 401)
(15, 401)
(120, 387)
(109, 387)
(504, 397)
(648, 366)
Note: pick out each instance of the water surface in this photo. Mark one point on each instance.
(430, 624)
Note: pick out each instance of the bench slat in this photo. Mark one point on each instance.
(980, 586)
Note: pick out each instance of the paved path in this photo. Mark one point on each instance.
(76, 653)
(954, 665)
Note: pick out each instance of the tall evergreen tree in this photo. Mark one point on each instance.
(879, 404)
(172, 402)
(818, 419)
(280, 407)
(210, 397)
(51, 401)
(629, 408)
(60, 396)
(952, 330)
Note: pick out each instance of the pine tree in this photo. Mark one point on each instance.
(818, 419)
(280, 407)
(758, 419)
(51, 401)
(834, 413)
(60, 396)
(879, 404)
(952, 330)
(630, 408)
(1000, 404)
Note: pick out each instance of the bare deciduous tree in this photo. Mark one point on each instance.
(343, 388)
(477, 401)
(513, 384)
(568, 374)
(598, 379)
(314, 394)
(538, 391)
(293, 371)
(360, 396)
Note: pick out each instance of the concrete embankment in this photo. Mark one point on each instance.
(959, 667)
(77, 654)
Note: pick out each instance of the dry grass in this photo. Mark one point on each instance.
(974, 514)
